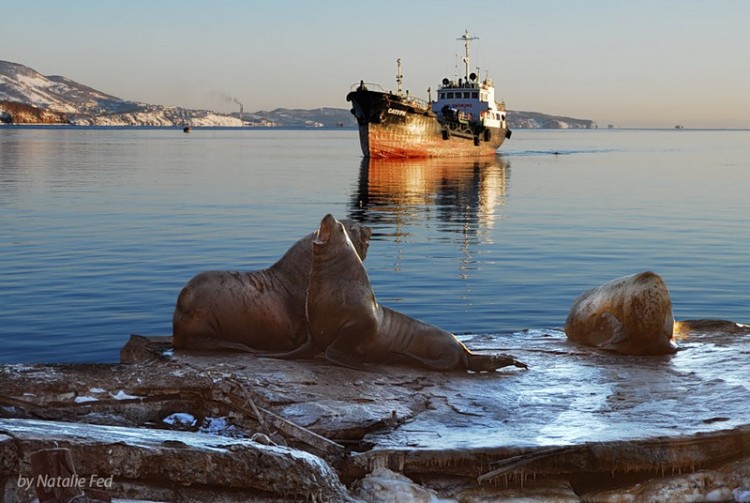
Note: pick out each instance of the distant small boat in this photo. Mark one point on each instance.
(678, 126)
(187, 129)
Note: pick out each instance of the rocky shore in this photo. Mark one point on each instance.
(20, 113)
(579, 425)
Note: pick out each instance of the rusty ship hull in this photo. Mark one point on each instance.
(393, 126)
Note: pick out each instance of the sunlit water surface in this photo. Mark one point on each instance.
(100, 228)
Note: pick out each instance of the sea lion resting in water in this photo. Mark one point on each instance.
(245, 311)
(347, 323)
(631, 315)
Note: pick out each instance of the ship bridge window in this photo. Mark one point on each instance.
(484, 96)
(467, 95)
(475, 95)
(450, 96)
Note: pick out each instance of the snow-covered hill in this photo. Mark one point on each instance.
(19, 83)
(69, 101)
(26, 96)
(535, 120)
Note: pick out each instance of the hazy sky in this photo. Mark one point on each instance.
(631, 63)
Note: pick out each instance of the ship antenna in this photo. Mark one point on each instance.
(399, 77)
(467, 58)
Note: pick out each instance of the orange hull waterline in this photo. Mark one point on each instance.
(464, 121)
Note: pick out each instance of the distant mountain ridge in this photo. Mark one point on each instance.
(333, 117)
(536, 120)
(26, 96)
(54, 93)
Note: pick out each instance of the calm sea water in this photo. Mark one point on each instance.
(100, 228)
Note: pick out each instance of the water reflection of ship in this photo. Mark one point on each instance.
(463, 194)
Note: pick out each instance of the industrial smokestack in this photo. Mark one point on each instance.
(242, 108)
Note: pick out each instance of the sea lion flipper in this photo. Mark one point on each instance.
(338, 357)
(616, 328)
(447, 362)
(490, 362)
(208, 343)
(307, 351)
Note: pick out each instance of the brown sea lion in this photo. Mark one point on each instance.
(630, 315)
(347, 323)
(246, 311)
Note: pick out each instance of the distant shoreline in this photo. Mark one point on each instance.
(45, 125)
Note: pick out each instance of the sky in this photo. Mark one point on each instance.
(635, 63)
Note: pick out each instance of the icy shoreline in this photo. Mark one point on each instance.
(579, 425)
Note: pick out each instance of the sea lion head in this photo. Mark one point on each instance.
(339, 295)
(359, 234)
(648, 314)
(631, 315)
(332, 235)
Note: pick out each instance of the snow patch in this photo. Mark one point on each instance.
(220, 426)
(180, 420)
(85, 399)
(121, 395)
(741, 495)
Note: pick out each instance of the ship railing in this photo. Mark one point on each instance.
(417, 102)
(463, 85)
(368, 85)
(411, 100)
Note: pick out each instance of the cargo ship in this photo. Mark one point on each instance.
(464, 120)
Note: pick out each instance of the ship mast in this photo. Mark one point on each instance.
(399, 76)
(467, 58)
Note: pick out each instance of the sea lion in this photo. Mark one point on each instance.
(631, 315)
(351, 328)
(255, 310)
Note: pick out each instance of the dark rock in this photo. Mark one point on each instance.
(170, 458)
